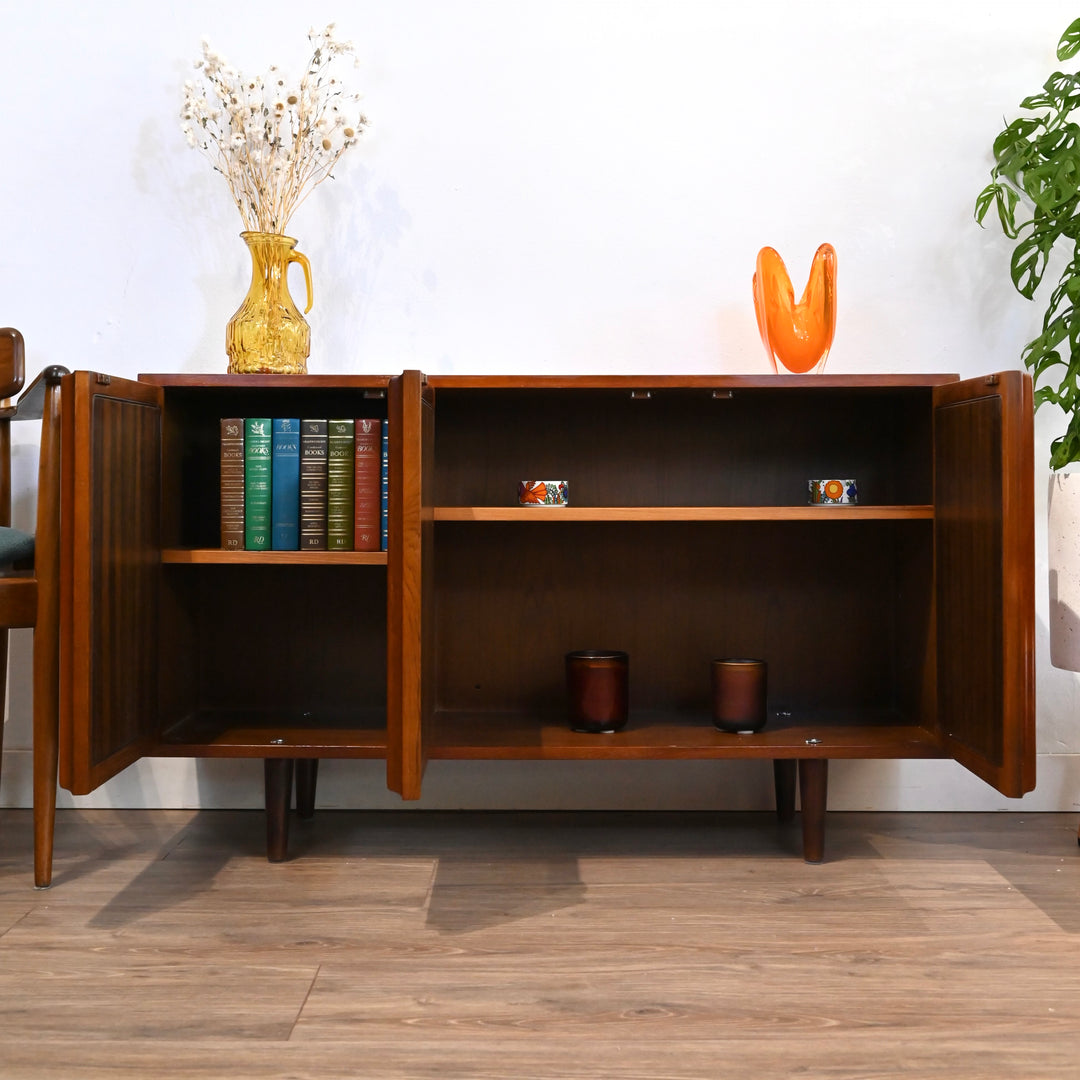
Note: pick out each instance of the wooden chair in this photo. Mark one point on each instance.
(30, 564)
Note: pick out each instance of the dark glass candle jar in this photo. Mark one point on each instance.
(597, 688)
(739, 694)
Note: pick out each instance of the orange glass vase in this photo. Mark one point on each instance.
(797, 336)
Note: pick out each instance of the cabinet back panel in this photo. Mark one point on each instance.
(279, 638)
(682, 447)
(841, 611)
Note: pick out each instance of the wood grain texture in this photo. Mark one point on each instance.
(548, 946)
(984, 564)
(110, 490)
(409, 624)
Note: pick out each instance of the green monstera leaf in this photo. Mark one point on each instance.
(1036, 173)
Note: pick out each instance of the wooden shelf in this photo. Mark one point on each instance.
(266, 558)
(674, 735)
(264, 733)
(681, 513)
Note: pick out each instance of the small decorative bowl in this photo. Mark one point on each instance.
(543, 493)
(832, 492)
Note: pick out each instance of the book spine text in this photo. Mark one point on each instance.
(232, 484)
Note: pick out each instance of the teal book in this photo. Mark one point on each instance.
(340, 494)
(257, 474)
(285, 485)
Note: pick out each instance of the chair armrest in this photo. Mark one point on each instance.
(31, 401)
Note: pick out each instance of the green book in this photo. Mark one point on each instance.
(257, 480)
(340, 463)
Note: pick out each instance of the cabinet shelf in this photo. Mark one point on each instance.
(675, 734)
(681, 513)
(269, 733)
(211, 556)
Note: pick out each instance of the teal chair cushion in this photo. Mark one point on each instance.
(16, 546)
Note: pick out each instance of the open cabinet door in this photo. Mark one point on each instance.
(410, 586)
(110, 566)
(984, 556)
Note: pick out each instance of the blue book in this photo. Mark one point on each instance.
(384, 487)
(285, 485)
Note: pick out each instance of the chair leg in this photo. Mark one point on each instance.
(47, 638)
(46, 751)
(3, 688)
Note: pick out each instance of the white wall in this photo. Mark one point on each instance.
(548, 186)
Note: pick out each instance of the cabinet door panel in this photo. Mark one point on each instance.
(110, 567)
(984, 571)
(410, 621)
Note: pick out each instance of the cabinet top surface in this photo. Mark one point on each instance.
(554, 382)
(654, 382)
(267, 382)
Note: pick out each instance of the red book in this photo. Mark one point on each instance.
(366, 506)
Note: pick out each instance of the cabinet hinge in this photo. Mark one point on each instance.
(641, 395)
(102, 380)
(374, 393)
(991, 380)
(723, 395)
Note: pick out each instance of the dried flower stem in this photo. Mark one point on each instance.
(272, 144)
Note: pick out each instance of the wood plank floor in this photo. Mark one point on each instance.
(534, 946)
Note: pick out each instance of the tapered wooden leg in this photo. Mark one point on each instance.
(279, 783)
(784, 773)
(813, 791)
(307, 772)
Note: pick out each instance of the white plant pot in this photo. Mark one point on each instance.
(1063, 558)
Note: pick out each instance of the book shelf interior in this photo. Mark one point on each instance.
(843, 617)
(269, 656)
(191, 441)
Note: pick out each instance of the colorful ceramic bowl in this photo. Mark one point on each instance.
(832, 492)
(543, 493)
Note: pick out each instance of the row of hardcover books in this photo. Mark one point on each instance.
(290, 484)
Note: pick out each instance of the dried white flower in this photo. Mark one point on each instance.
(273, 144)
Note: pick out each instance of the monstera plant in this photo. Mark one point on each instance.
(1035, 188)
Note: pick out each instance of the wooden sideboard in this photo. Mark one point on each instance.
(899, 627)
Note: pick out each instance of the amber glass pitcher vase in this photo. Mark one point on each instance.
(268, 335)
